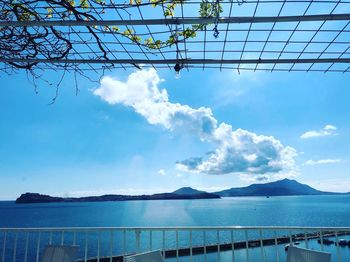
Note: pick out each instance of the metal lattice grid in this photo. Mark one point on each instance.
(278, 35)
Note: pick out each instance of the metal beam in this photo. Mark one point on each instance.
(180, 61)
(178, 21)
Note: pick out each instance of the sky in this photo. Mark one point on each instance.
(144, 131)
(135, 132)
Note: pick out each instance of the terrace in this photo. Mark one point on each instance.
(176, 243)
(266, 35)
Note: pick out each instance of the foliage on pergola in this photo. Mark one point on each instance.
(51, 43)
(81, 35)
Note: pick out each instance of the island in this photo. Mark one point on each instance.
(29, 198)
(285, 187)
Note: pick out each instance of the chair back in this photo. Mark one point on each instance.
(296, 254)
(54, 253)
(152, 256)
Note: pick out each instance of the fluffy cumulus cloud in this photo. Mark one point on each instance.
(322, 162)
(235, 151)
(161, 172)
(141, 92)
(241, 151)
(327, 130)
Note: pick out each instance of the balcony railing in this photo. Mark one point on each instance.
(177, 243)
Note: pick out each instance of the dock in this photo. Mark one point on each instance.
(213, 248)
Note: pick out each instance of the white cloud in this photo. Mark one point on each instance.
(141, 92)
(241, 151)
(322, 161)
(327, 130)
(254, 179)
(330, 185)
(290, 174)
(236, 151)
(161, 172)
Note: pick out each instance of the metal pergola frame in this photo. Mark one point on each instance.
(307, 43)
(183, 21)
(180, 61)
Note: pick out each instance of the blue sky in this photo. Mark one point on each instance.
(83, 145)
(137, 132)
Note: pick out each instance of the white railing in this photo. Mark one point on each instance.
(177, 243)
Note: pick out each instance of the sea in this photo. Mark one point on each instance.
(303, 211)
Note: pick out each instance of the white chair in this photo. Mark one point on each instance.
(54, 253)
(152, 256)
(297, 254)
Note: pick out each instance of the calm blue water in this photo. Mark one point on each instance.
(248, 211)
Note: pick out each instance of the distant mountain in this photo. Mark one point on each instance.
(38, 198)
(285, 187)
(188, 191)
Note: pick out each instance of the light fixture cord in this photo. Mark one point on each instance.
(217, 10)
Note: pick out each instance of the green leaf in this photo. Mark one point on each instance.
(168, 13)
(71, 2)
(115, 28)
(135, 38)
(84, 4)
(49, 12)
(148, 41)
(188, 33)
(128, 32)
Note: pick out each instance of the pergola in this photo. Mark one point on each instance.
(271, 35)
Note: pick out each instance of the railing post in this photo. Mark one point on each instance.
(276, 247)
(138, 235)
(233, 246)
(62, 238)
(38, 247)
(290, 238)
(111, 246)
(98, 245)
(124, 242)
(15, 247)
(86, 246)
(321, 237)
(205, 245)
(177, 245)
(74, 238)
(26, 248)
(150, 239)
(246, 244)
(262, 246)
(306, 240)
(163, 233)
(4, 247)
(50, 238)
(337, 243)
(218, 241)
(191, 245)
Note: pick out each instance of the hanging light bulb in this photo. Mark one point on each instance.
(177, 69)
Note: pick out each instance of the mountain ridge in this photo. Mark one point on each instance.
(30, 198)
(187, 191)
(285, 187)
